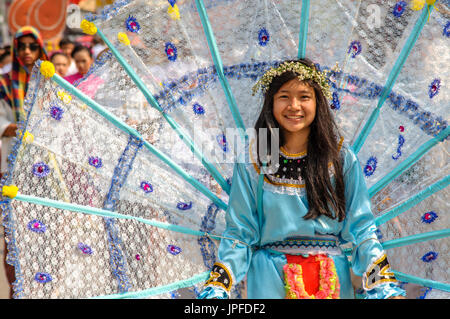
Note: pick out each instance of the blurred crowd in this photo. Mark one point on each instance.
(72, 58)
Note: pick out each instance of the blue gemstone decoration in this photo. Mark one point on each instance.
(171, 51)
(174, 250)
(43, 277)
(222, 140)
(184, 206)
(36, 226)
(95, 161)
(172, 2)
(335, 105)
(41, 169)
(132, 24)
(198, 109)
(263, 37)
(401, 141)
(430, 256)
(56, 112)
(355, 48)
(146, 187)
(371, 166)
(399, 8)
(429, 217)
(446, 31)
(85, 249)
(434, 87)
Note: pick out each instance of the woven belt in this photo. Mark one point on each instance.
(319, 244)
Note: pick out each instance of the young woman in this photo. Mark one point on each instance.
(285, 233)
(83, 60)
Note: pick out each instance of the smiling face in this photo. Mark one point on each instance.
(28, 50)
(294, 107)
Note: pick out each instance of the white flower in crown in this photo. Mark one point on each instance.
(304, 73)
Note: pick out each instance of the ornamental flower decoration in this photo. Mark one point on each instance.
(429, 217)
(95, 161)
(36, 226)
(174, 250)
(85, 249)
(184, 206)
(263, 37)
(171, 51)
(43, 277)
(41, 169)
(56, 112)
(146, 187)
(355, 48)
(132, 24)
(434, 87)
(371, 166)
(399, 8)
(430, 256)
(198, 109)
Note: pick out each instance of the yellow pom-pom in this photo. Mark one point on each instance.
(65, 97)
(88, 27)
(431, 2)
(47, 69)
(123, 38)
(417, 5)
(173, 12)
(28, 137)
(10, 191)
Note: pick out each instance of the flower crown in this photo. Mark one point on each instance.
(304, 73)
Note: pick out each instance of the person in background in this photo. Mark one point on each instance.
(98, 46)
(61, 62)
(67, 46)
(5, 60)
(83, 60)
(28, 47)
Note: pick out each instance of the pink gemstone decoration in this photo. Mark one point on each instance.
(401, 128)
(138, 257)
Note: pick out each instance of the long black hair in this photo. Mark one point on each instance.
(322, 149)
